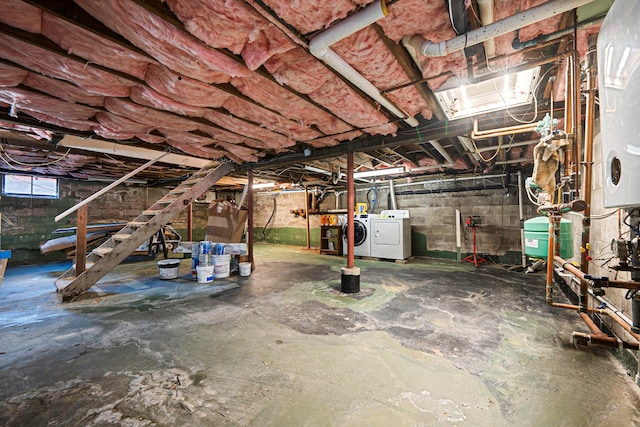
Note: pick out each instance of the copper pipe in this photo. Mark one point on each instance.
(613, 315)
(590, 115)
(483, 134)
(577, 308)
(603, 284)
(568, 122)
(600, 338)
(550, 255)
(576, 116)
(591, 325)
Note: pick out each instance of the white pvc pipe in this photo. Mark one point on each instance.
(458, 235)
(107, 188)
(498, 28)
(486, 17)
(442, 151)
(320, 47)
(521, 212)
(392, 193)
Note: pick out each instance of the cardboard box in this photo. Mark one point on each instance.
(226, 222)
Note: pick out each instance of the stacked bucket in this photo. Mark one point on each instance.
(209, 262)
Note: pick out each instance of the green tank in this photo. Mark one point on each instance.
(536, 237)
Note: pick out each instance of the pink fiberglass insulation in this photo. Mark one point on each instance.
(269, 138)
(268, 42)
(26, 100)
(118, 123)
(11, 76)
(61, 67)
(424, 17)
(107, 133)
(311, 15)
(63, 90)
(35, 133)
(275, 97)
(340, 98)
(146, 115)
(66, 122)
(88, 45)
(162, 40)
(299, 70)
(222, 135)
(429, 19)
(192, 144)
(151, 138)
(330, 141)
(243, 153)
(150, 98)
(184, 89)
(275, 122)
(369, 55)
(19, 14)
(302, 72)
(233, 25)
(219, 23)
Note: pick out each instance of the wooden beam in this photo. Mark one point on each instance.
(81, 240)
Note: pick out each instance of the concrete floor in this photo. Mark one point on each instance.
(429, 343)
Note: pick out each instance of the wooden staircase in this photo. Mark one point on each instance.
(112, 252)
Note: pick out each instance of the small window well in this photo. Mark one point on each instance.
(507, 91)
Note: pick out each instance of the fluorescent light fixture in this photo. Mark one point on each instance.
(380, 172)
(316, 170)
(263, 185)
(510, 90)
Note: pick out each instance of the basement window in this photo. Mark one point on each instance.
(507, 91)
(29, 186)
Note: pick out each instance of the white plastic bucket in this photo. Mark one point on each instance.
(205, 273)
(221, 265)
(245, 269)
(168, 268)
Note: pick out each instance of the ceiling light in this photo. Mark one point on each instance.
(380, 172)
(317, 170)
(499, 93)
(263, 185)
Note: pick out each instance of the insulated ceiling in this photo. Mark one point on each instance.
(228, 80)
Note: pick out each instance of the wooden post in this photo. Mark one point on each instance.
(351, 202)
(81, 240)
(250, 218)
(306, 214)
(190, 222)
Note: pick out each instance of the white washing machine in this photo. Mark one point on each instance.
(391, 235)
(361, 235)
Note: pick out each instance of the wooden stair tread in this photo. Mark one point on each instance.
(102, 251)
(136, 223)
(121, 236)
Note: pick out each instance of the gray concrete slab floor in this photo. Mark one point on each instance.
(429, 343)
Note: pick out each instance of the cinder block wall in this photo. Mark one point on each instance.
(285, 227)
(34, 218)
(432, 219)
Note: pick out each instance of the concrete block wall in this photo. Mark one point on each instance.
(285, 227)
(432, 219)
(34, 217)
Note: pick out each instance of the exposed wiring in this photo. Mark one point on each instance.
(3, 153)
(273, 212)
